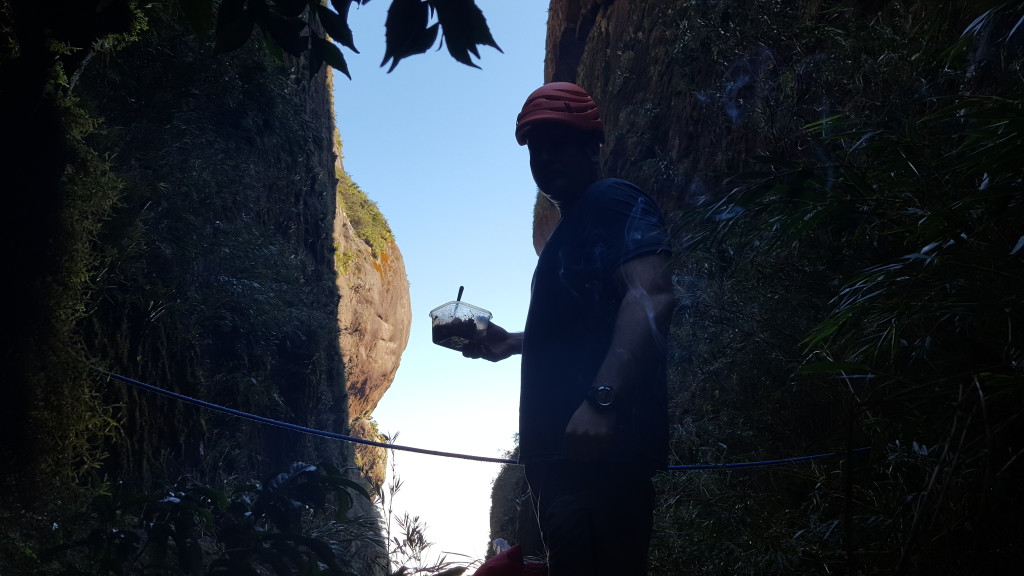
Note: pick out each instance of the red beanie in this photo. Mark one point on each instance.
(562, 103)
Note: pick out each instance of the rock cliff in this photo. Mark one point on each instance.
(226, 267)
(177, 222)
(785, 141)
(374, 314)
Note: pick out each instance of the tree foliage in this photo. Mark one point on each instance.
(853, 281)
(365, 216)
(294, 522)
(306, 28)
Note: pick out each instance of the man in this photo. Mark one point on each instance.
(593, 423)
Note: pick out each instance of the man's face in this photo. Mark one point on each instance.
(563, 161)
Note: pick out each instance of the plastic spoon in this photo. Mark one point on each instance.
(457, 300)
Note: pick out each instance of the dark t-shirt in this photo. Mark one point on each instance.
(573, 307)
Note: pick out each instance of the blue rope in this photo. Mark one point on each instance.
(336, 436)
(298, 428)
(768, 462)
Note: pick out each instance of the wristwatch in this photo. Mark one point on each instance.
(603, 396)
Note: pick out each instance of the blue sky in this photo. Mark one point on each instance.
(433, 144)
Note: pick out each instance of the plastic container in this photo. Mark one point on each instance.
(455, 324)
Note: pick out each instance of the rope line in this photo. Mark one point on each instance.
(778, 462)
(296, 427)
(336, 436)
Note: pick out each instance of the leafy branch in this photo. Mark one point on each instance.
(257, 528)
(407, 538)
(307, 28)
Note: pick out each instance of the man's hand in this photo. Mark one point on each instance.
(589, 433)
(497, 344)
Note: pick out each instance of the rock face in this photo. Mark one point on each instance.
(830, 107)
(664, 88)
(375, 317)
(569, 25)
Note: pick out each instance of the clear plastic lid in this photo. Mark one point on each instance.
(457, 323)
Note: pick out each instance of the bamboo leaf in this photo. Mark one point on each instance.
(1020, 244)
(833, 367)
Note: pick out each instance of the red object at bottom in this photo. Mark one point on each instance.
(510, 563)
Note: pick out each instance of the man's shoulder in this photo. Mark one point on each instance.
(607, 186)
(612, 192)
(616, 194)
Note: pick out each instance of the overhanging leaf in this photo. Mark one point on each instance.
(199, 14)
(337, 27)
(406, 32)
(339, 482)
(234, 26)
(464, 28)
(290, 8)
(259, 10)
(296, 471)
(325, 51)
(287, 33)
(344, 504)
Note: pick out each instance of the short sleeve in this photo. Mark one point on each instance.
(625, 223)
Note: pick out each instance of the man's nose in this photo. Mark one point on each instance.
(548, 152)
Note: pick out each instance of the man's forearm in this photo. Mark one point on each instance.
(496, 345)
(641, 325)
(515, 342)
(638, 344)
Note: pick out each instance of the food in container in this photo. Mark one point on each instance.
(455, 324)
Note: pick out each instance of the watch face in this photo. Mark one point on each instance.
(604, 395)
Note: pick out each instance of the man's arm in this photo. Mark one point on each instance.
(638, 346)
(497, 344)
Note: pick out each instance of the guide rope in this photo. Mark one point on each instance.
(343, 437)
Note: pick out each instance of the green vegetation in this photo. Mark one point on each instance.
(295, 522)
(847, 184)
(406, 538)
(343, 260)
(372, 461)
(852, 282)
(512, 516)
(183, 240)
(56, 424)
(913, 356)
(365, 216)
(301, 520)
(846, 194)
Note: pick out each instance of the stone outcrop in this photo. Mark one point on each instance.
(374, 320)
(569, 25)
(780, 140)
(372, 461)
(374, 315)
